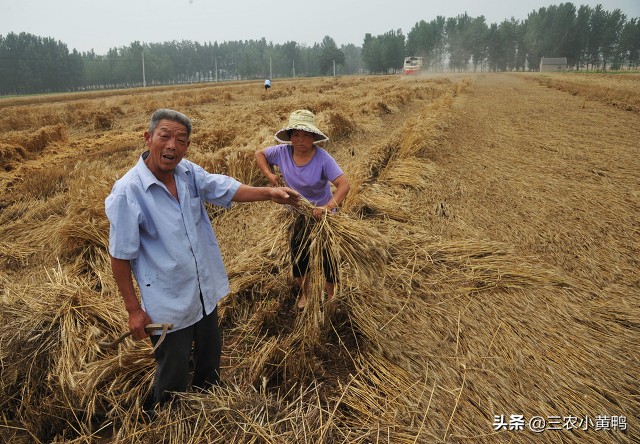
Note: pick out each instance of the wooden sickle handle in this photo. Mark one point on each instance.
(148, 328)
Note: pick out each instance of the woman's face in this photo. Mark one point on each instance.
(301, 140)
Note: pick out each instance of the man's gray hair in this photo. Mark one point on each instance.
(169, 114)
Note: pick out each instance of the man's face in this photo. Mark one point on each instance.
(167, 146)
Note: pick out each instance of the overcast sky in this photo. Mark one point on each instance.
(101, 25)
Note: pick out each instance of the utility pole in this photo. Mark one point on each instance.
(334, 68)
(294, 69)
(144, 79)
(216, 66)
(270, 71)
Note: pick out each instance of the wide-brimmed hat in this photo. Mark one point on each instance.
(304, 120)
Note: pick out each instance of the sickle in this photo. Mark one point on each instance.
(148, 328)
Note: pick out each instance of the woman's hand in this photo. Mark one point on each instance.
(266, 169)
(318, 212)
(275, 180)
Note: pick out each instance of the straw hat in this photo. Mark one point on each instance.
(304, 120)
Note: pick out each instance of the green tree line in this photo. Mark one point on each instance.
(589, 37)
(33, 64)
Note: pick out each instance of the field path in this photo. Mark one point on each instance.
(552, 174)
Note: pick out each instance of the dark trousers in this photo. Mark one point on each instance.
(172, 358)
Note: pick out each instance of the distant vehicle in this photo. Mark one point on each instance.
(412, 65)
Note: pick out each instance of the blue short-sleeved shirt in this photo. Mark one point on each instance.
(171, 245)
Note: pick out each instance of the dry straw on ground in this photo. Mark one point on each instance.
(621, 90)
(443, 318)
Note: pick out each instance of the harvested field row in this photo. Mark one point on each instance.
(618, 90)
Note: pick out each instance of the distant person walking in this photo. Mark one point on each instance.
(267, 84)
(310, 170)
(160, 232)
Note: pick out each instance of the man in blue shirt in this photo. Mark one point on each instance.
(160, 232)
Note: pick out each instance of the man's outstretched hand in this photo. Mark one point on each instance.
(285, 196)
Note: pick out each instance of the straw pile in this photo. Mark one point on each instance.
(618, 90)
(444, 317)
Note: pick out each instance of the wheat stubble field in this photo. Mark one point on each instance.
(489, 265)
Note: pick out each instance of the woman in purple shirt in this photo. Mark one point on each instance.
(310, 170)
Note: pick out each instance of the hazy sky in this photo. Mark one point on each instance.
(101, 25)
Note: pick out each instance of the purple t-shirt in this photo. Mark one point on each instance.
(312, 180)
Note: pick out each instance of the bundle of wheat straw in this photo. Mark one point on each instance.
(264, 264)
(26, 227)
(352, 242)
(50, 332)
(117, 380)
(380, 200)
(348, 247)
(410, 172)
